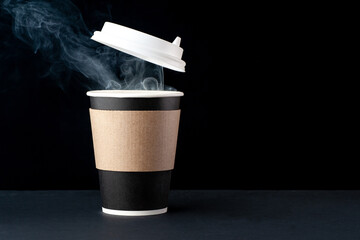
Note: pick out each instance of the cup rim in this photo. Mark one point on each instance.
(133, 93)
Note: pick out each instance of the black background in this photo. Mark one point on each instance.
(257, 113)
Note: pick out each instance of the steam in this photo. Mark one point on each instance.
(56, 30)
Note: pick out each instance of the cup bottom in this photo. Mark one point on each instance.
(134, 213)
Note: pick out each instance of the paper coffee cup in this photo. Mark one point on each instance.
(134, 137)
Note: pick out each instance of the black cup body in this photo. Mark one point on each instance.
(135, 191)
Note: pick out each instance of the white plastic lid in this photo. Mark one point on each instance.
(142, 45)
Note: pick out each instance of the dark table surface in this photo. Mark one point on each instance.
(195, 214)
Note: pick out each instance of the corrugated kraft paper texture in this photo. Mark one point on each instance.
(134, 141)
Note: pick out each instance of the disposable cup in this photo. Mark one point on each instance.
(134, 137)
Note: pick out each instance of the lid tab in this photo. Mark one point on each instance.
(177, 41)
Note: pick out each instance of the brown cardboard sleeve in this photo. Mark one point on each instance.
(134, 141)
